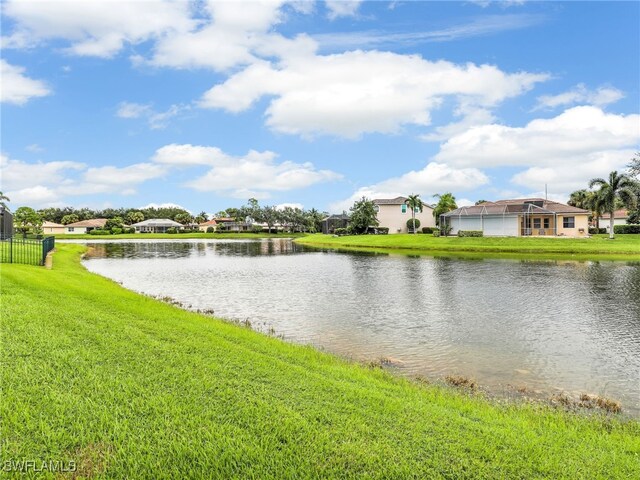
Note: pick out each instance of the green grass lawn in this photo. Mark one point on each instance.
(623, 247)
(128, 387)
(176, 236)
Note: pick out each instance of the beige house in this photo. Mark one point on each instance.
(53, 228)
(204, 225)
(520, 218)
(85, 226)
(393, 214)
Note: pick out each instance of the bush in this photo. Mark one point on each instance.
(594, 230)
(410, 223)
(210, 229)
(256, 228)
(172, 230)
(384, 230)
(131, 230)
(97, 231)
(470, 233)
(428, 229)
(436, 233)
(116, 231)
(626, 229)
(340, 231)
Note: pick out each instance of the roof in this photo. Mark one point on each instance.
(223, 219)
(622, 213)
(157, 222)
(92, 223)
(210, 222)
(390, 201)
(515, 206)
(47, 224)
(337, 216)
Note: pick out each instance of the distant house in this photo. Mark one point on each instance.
(620, 217)
(393, 214)
(204, 225)
(85, 226)
(330, 223)
(53, 228)
(520, 217)
(156, 225)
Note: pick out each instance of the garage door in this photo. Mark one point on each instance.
(500, 226)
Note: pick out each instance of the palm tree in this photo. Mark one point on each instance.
(446, 203)
(414, 202)
(619, 187)
(580, 199)
(3, 199)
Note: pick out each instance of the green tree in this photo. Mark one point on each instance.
(580, 199)
(70, 218)
(201, 217)
(446, 203)
(362, 216)
(314, 220)
(134, 217)
(480, 201)
(270, 216)
(414, 203)
(634, 165)
(115, 222)
(3, 200)
(26, 220)
(620, 187)
(183, 218)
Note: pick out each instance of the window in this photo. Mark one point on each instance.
(536, 223)
(404, 208)
(569, 222)
(69, 229)
(546, 223)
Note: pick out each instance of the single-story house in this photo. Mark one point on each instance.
(519, 217)
(330, 223)
(156, 225)
(53, 228)
(85, 226)
(393, 214)
(204, 225)
(620, 217)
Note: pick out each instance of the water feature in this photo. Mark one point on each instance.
(549, 326)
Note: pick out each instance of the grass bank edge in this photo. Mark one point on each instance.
(627, 247)
(176, 236)
(376, 420)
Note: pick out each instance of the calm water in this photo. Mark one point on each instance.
(549, 325)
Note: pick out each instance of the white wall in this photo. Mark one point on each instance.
(391, 216)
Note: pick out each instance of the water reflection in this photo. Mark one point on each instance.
(568, 325)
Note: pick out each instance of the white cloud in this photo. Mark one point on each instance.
(34, 148)
(164, 205)
(17, 88)
(35, 196)
(281, 206)
(156, 120)
(580, 94)
(94, 28)
(255, 174)
(107, 177)
(360, 92)
(18, 175)
(433, 178)
(342, 8)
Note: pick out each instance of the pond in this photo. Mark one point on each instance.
(549, 326)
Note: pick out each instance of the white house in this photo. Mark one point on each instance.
(156, 225)
(393, 214)
(619, 218)
(85, 226)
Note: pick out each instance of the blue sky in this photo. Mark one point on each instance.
(206, 104)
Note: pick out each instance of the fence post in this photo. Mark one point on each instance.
(11, 249)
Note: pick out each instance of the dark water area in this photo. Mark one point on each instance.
(549, 326)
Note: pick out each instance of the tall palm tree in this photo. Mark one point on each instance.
(619, 187)
(580, 199)
(446, 203)
(414, 202)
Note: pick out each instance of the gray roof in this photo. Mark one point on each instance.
(337, 216)
(157, 222)
(513, 207)
(390, 201)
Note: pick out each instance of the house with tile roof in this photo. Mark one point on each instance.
(85, 226)
(620, 217)
(521, 217)
(393, 214)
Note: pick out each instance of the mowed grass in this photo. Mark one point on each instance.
(129, 387)
(623, 247)
(175, 236)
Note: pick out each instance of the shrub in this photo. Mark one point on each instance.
(210, 229)
(626, 229)
(594, 230)
(428, 229)
(410, 223)
(436, 233)
(97, 231)
(116, 231)
(383, 230)
(256, 228)
(470, 233)
(172, 230)
(340, 231)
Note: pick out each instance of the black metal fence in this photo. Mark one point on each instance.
(28, 250)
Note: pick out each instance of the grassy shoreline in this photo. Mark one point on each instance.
(624, 247)
(177, 236)
(127, 386)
